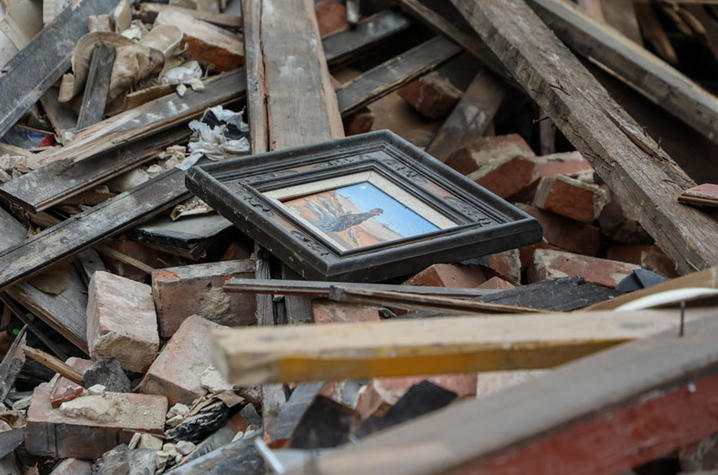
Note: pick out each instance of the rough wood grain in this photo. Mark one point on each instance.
(148, 12)
(629, 161)
(40, 64)
(471, 116)
(602, 414)
(97, 86)
(630, 62)
(338, 351)
(391, 75)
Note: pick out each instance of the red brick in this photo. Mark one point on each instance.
(51, 433)
(527, 252)
(204, 42)
(359, 122)
(700, 457)
(701, 195)
(203, 282)
(177, 370)
(450, 275)
(570, 198)
(506, 177)
(567, 163)
(62, 388)
(648, 256)
(549, 264)
(331, 17)
(507, 264)
(470, 157)
(565, 233)
(431, 95)
(72, 467)
(381, 393)
(121, 321)
(497, 283)
(326, 311)
(622, 224)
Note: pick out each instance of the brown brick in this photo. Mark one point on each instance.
(326, 311)
(506, 177)
(331, 17)
(549, 264)
(359, 122)
(51, 433)
(527, 252)
(507, 264)
(566, 163)
(470, 157)
(648, 256)
(62, 388)
(121, 321)
(208, 44)
(450, 275)
(381, 393)
(565, 233)
(570, 198)
(203, 282)
(497, 283)
(701, 195)
(431, 95)
(72, 467)
(622, 225)
(177, 370)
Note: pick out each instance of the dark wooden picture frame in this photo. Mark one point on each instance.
(244, 191)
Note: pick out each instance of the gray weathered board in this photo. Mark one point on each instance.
(27, 76)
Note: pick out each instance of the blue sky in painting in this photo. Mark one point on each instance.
(396, 216)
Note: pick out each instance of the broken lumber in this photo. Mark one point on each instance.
(628, 160)
(633, 64)
(148, 12)
(40, 64)
(337, 351)
(56, 365)
(636, 402)
(97, 86)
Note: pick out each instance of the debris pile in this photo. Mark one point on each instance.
(388, 236)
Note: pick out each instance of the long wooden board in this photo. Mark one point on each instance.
(27, 76)
(629, 161)
(599, 415)
(84, 229)
(633, 64)
(333, 352)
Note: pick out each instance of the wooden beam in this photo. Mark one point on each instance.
(333, 352)
(40, 64)
(85, 229)
(633, 64)
(53, 363)
(471, 117)
(391, 75)
(97, 86)
(600, 415)
(629, 161)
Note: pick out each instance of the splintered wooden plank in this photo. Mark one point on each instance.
(84, 229)
(301, 107)
(333, 352)
(391, 75)
(628, 160)
(471, 116)
(601, 415)
(55, 182)
(147, 119)
(148, 12)
(97, 86)
(633, 64)
(27, 76)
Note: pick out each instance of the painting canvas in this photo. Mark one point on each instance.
(359, 215)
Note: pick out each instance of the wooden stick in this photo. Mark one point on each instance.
(54, 364)
(106, 250)
(96, 86)
(333, 352)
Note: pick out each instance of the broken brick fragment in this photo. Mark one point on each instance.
(570, 198)
(507, 264)
(63, 389)
(326, 311)
(450, 275)
(701, 195)
(648, 256)
(177, 371)
(432, 96)
(564, 233)
(501, 148)
(506, 177)
(121, 321)
(549, 264)
(497, 283)
(567, 163)
(331, 17)
(621, 224)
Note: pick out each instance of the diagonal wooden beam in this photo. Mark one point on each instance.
(629, 161)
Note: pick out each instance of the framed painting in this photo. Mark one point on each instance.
(364, 208)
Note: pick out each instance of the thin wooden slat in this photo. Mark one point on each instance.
(391, 75)
(629, 161)
(332, 352)
(148, 11)
(633, 64)
(599, 415)
(27, 76)
(97, 86)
